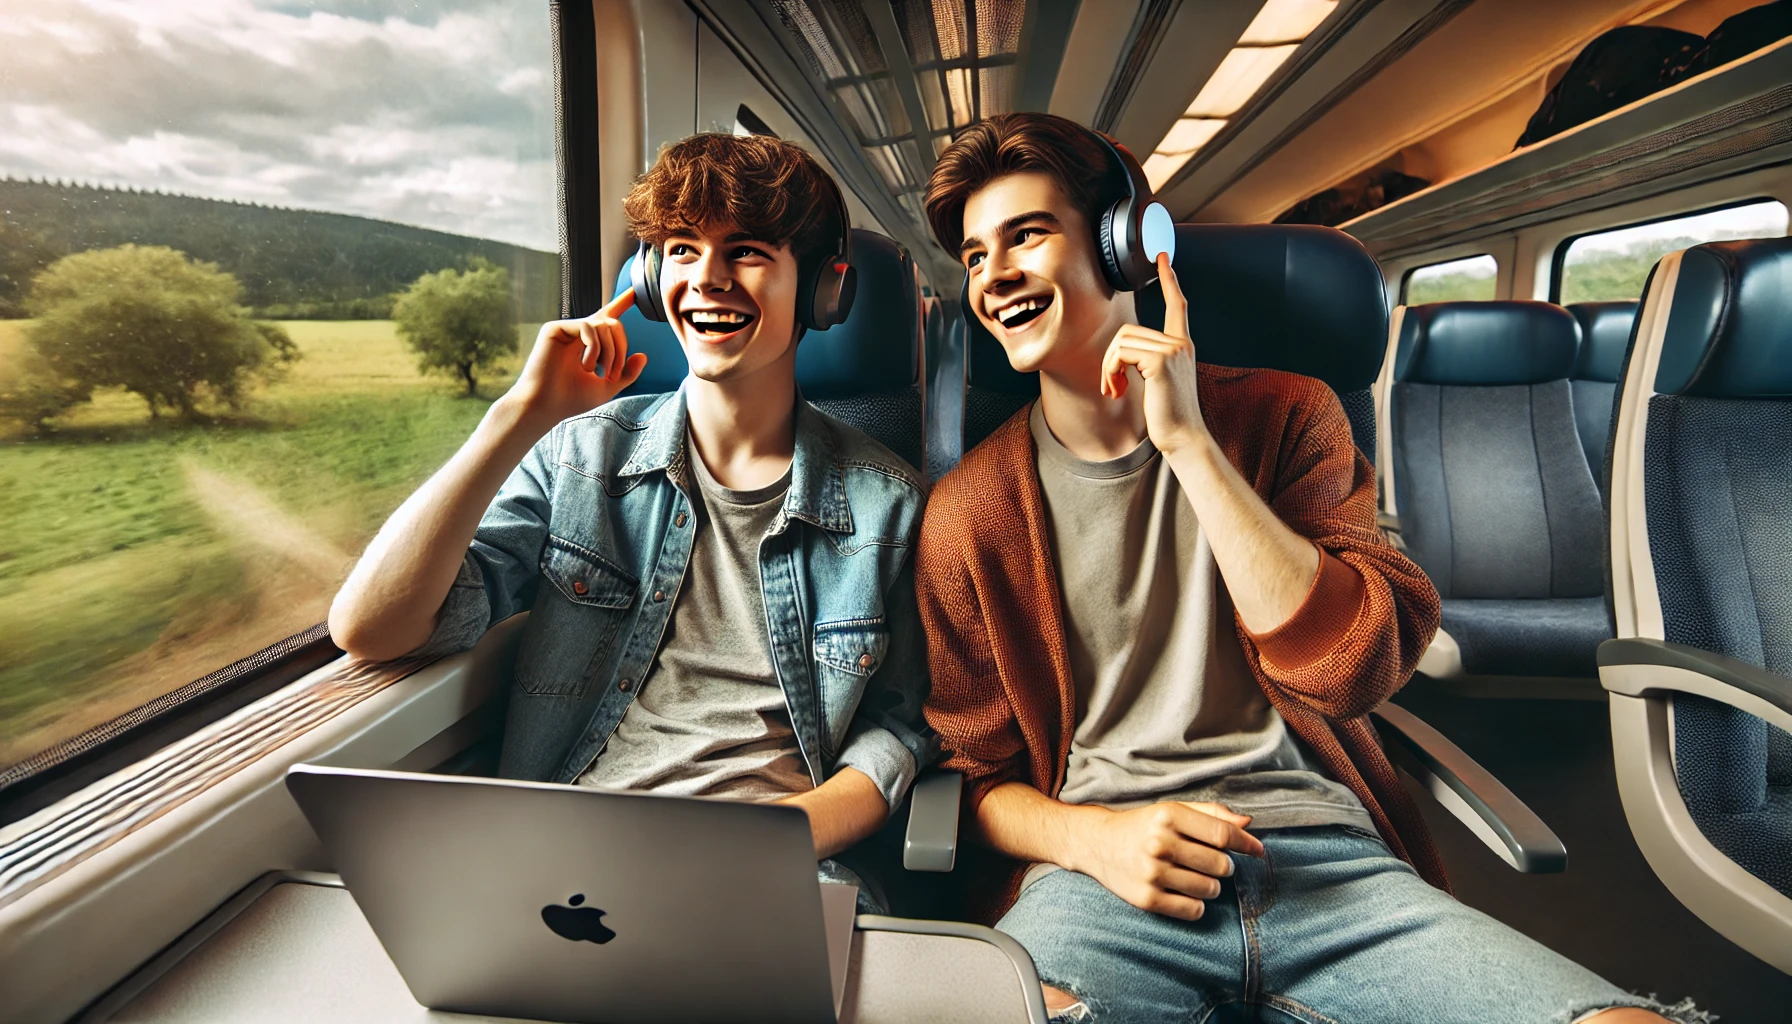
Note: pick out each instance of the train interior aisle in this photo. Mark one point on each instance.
(1538, 250)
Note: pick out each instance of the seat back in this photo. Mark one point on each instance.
(1300, 298)
(1493, 491)
(1701, 538)
(867, 371)
(1604, 337)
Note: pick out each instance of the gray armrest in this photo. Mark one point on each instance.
(932, 840)
(1634, 667)
(1468, 791)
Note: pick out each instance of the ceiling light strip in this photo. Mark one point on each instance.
(1271, 38)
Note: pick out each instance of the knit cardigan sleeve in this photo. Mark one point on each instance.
(969, 706)
(1370, 613)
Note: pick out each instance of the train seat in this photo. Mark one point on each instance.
(1700, 677)
(1491, 486)
(1604, 338)
(1308, 300)
(868, 371)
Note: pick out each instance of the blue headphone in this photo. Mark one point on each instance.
(824, 293)
(1135, 229)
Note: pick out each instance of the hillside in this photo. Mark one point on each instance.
(293, 264)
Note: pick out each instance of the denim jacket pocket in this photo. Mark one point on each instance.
(846, 654)
(575, 620)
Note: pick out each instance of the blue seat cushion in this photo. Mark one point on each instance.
(1535, 637)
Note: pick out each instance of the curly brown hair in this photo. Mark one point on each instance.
(770, 189)
(1011, 143)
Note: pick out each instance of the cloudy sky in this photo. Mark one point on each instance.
(430, 112)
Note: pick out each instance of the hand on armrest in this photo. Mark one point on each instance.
(1470, 792)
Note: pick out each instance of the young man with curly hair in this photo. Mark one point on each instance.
(718, 579)
(1158, 612)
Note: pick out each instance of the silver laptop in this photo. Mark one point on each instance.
(561, 903)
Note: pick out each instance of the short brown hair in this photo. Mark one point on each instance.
(1010, 143)
(770, 189)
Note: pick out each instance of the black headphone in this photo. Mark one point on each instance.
(1135, 229)
(824, 292)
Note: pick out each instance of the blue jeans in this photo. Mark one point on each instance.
(1327, 927)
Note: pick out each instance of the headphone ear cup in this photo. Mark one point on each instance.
(827, 295)
(644, 275)
(1129, 250)
(1111, 236)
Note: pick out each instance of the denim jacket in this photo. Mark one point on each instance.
(592, 534)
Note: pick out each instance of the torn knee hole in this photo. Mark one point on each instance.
(1063, 1006)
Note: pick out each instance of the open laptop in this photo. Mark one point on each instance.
(562, 903)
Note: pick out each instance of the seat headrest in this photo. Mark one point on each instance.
(877, 348)
(1305, 299)
(1729, 332)
(1301, 298)
(1604, 338)
(1485, 344)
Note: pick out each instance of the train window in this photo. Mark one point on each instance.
(263, 266)
(1614, 264)
(1470, 279)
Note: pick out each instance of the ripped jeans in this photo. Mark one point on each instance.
(1327, 927)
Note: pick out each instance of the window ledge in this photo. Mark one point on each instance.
(96, 883)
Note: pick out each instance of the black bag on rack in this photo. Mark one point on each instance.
(1738, 36)
(1619, 67)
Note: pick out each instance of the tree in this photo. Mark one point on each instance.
(23, 252)
(152, 321)
(459, 322)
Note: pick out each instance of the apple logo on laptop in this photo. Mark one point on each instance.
(580, 924)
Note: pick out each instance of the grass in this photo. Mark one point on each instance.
(137, 555)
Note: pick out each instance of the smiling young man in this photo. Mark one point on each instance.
(1158, 610)
(718, 579)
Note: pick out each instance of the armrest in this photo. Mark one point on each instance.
(1389, 525)
(1636, 667)
(1468, 791)
(932, 840)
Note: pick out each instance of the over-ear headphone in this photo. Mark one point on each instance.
(824, 292)
(1135, 229)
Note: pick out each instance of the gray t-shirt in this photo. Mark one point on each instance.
(1167, 707)
(710, 718)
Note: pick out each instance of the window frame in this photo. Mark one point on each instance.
(1558, 260)
(54, 773)
(1406, 275)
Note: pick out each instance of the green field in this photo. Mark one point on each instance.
(136, 556)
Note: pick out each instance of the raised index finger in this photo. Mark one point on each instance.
(1175, 306)
(620, 304)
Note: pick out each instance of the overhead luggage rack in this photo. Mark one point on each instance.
(1734, 119)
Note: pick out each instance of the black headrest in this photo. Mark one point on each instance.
(1483, 344)
(1729, 333)
(877, 348)
(1306, 299)
(1604, 338)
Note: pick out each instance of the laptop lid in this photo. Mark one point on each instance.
(570, 904)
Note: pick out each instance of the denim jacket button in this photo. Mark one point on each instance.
(624, 685)
(679, 521)
(866, 660)
(659, 595)
(578, 587)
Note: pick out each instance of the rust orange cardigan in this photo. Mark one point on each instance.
(1003, 701)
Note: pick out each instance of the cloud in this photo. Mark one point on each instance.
(437, 114)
